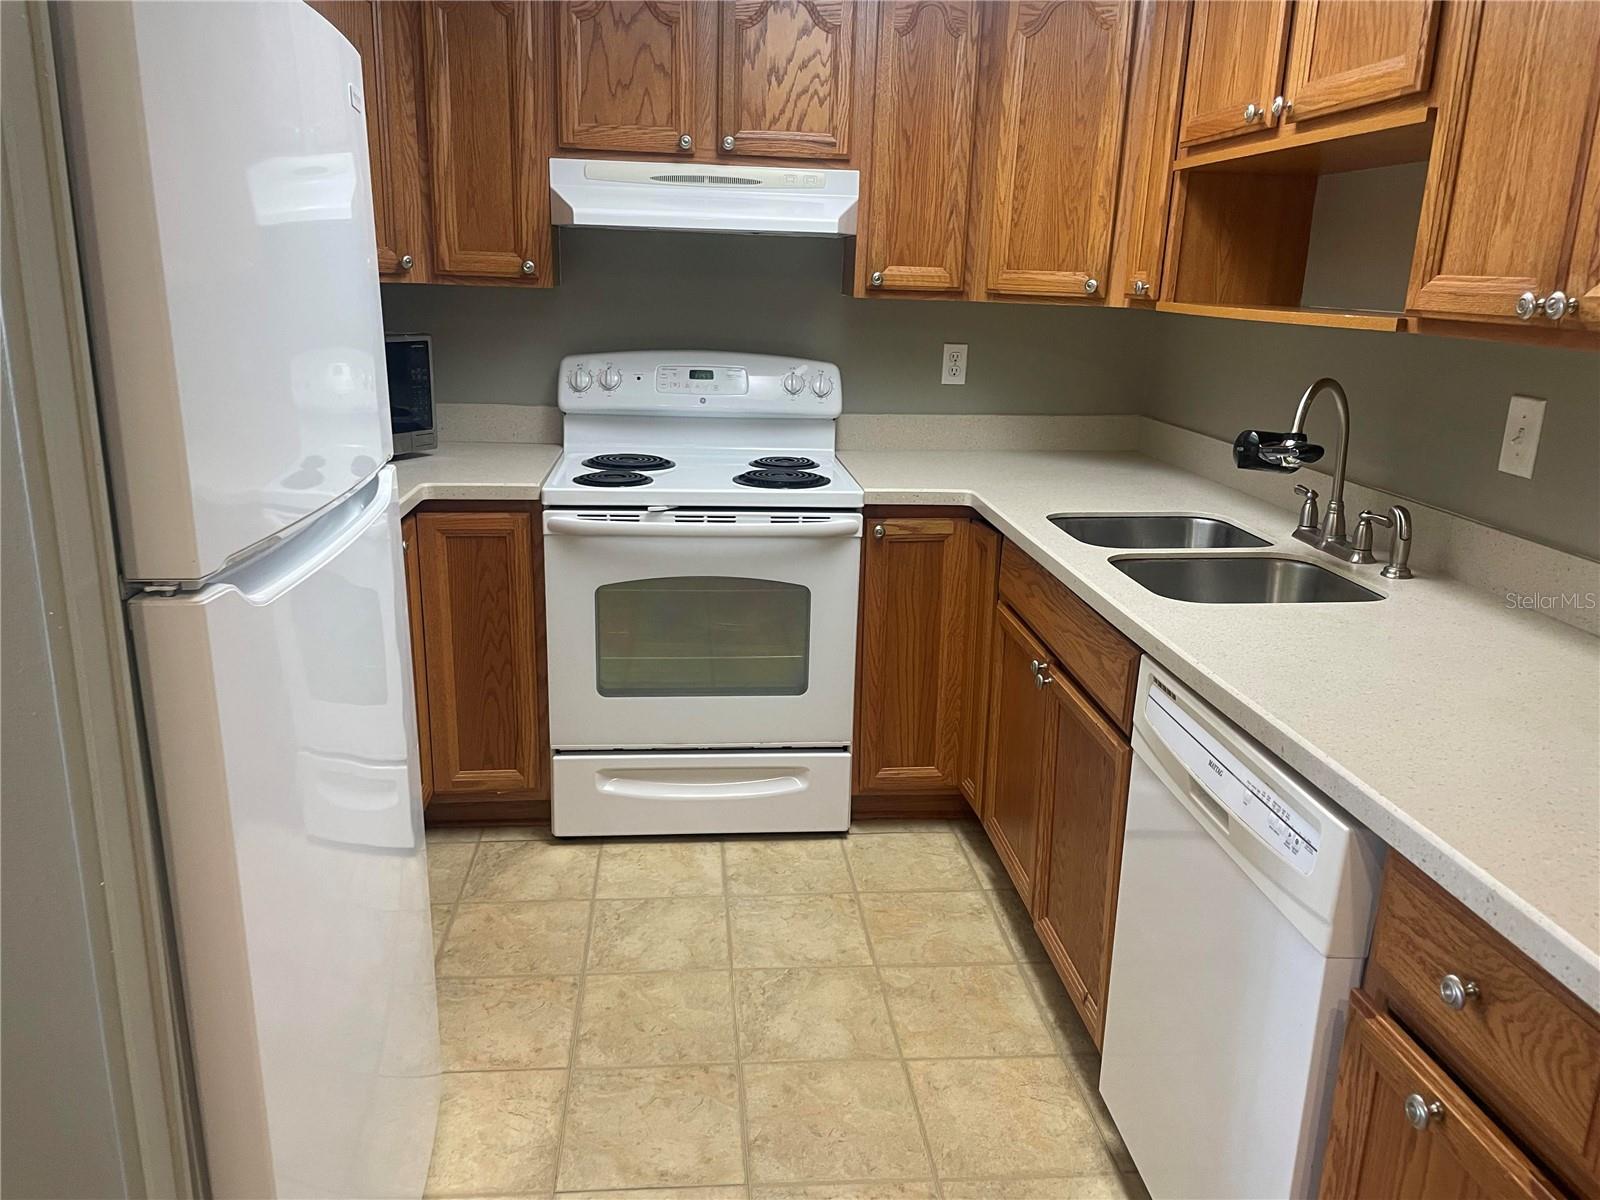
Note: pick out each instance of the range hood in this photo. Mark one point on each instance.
(711, 197)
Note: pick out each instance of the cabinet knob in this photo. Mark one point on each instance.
(1421, 1113)
(1528, 304)
(685, 142)
(1280, 106)
(877, 279)
(1141, 287)
(1558, 305)
(1091, 286)
(407, 262)
(1252, 113)
(527, 266)
(1041, 673)
(727, 142)
(1454, 992)
(877, 532)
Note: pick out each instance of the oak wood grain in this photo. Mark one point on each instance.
(487, 121)
(786, 77)
(1348, 53)
(1583, 273)
(1373, 1151)
(1080, 640)
(923, 129)
(411, 551)
(1240, 239)
(1075, 910)
(625, 75)
(980, 579)
(1236, 52)
(1506, 178)
(1021, 724)
(1056, 149)
(911, 651)
(1525, 1045)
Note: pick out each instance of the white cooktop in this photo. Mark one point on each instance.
(700, 477)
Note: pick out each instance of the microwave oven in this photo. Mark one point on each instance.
(411, 412)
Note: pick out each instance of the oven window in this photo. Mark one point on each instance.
(702, 635)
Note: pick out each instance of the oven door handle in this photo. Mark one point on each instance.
(829, 528)
(769, 788)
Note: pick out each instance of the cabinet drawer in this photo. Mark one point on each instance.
(1521, 1041)
(1104, 662)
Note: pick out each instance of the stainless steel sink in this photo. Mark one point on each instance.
(1151, 531)
(1241, 579)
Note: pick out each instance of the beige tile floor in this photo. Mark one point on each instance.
(859, 1018)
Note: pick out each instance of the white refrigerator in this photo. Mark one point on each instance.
(221, 188)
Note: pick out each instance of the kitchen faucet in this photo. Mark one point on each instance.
(1262, 450)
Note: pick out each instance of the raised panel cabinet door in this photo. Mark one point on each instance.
(388, 36)
(908, 711)
(491, 199)
(1236, 50)
(1386, 1138)
(1506, 177)
(1583, 278)
(480, 647)
(786, 73)
(1082, 852)
(1347, 53)
(1021, 728)
(625, 75)
(981, 572)
(1058, 146)
(923, 128)
(419, 663)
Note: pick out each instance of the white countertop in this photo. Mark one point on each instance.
(1464, 734)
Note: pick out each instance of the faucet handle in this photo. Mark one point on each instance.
(1400, 547)
(1361, 544)
(1308, 510)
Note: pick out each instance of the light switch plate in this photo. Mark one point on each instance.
(1520, 445)
(953, 367)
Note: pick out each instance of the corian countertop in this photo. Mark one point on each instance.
(1464, 734)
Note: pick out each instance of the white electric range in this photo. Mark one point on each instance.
(702, 552)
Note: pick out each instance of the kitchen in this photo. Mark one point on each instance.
(854, 848)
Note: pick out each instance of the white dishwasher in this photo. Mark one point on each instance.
(1243, 917)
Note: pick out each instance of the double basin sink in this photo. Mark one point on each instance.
(1208, 578)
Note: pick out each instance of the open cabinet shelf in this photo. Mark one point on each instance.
(1329, 318)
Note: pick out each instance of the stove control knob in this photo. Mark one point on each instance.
(793, 382)
(610, 378)
(822, 385)
(580, 379)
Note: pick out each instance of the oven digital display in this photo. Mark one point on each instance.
(702, 373)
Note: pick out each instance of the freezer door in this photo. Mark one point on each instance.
(283, 740)
(221, 183)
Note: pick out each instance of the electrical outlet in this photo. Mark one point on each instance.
(1521, 443)
(953, 368)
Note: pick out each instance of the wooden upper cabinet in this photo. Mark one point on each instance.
(487, 123)
(1506, 179)
(1021, 720)
(908, 710)
(786, 77)
(1376, 1148)
(1058, 145)
(625, 75)
(1236, 50)
(1348, 53)
(1583, 278)
(923, 125)
(480, 649)
(979, 576)
(388, 36)
(1082, 848)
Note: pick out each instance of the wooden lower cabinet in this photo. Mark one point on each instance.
(1402, 1128)
(1020, 718)
(980, 573)
(481, 638)
(1075, 909)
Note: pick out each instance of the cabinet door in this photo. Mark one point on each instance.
(1374, 1149)
(419, 663)
(1506, 177)
(1021, 722)
(491, 199)
(388, 36)
(785, 70)
(1058, 145)
(923, 124)
(625, 75)
(908, 712)
(1235, 66)
(479, 647)
(1082, 851)
(981, 571)
(1583, 278)
(1347, 53)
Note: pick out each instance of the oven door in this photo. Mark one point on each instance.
(689, 629)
